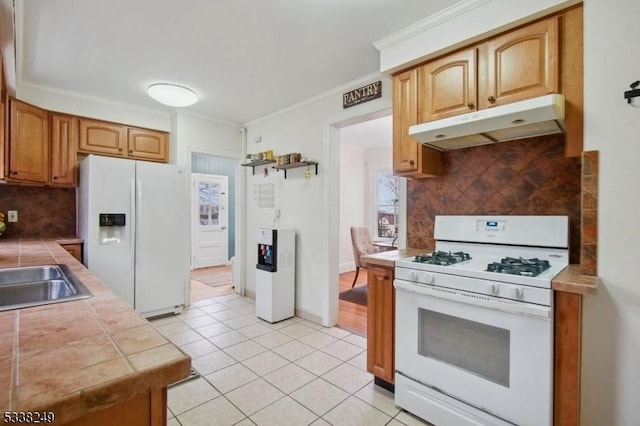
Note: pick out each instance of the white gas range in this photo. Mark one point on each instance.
(474, 321)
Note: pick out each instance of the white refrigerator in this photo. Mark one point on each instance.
(134, 219)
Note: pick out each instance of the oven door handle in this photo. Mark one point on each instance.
(481, 300)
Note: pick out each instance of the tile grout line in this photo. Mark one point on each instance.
(262, 377)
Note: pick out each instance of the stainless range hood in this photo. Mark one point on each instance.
(532, 117)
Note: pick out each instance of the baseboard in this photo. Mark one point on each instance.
(308, 316)
(346, 267)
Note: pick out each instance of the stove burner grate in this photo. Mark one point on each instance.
(442, 258)
(519, 266)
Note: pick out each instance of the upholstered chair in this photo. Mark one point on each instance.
(362, 245)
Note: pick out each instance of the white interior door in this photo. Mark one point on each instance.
(210, 220)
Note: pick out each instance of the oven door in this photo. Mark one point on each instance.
(492, 354)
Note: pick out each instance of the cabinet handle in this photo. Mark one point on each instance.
(130, 151)
(411, 162)
(386, 277)
(491, 99)
(120, 149)
(55, 178)
(14, 173)
(471, 105)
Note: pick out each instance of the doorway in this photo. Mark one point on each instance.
(213, 225)
(365, 148)
(210, 219)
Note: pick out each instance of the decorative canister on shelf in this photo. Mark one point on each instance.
(3, 226)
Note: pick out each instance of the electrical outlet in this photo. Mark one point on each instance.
(12, 216)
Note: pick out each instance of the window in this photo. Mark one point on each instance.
(209, 204)
(386, 205)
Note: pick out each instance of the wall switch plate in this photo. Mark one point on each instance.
(12, 216)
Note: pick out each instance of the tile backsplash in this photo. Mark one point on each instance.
(42, 211)
(526, 177)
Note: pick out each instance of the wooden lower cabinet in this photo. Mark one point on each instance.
(567, 348)
(381, 310)
(75, 249)
(148, 409)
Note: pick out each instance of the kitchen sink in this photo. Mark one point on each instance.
(39, 285)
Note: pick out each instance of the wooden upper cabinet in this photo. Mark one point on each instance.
(64, 143)
(447, 86)
(405, 114)
(521, 64)
(28, 143)
(147, 144)
(105, 138)
(410, 158)
(101, 137)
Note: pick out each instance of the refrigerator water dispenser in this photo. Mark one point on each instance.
(111, 228)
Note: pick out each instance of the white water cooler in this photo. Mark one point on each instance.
(275, 274)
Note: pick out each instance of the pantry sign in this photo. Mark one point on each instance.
(362, 94)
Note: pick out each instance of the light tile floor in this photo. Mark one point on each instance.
(294, 372)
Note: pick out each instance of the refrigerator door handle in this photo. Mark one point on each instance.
(132, 222)
(137, 218)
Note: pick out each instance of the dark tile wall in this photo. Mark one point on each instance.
(42, 211)
(526, 177)
(589, 252)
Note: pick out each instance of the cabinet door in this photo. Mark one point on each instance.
(74, 249)
(405, 114)
(447, 86)
(410, 158)
(28, 143)
(146, 144)
(522, 64)
(64, 141)
(101, 137)
(381, 303)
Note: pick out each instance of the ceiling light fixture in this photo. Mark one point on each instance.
(172, 94)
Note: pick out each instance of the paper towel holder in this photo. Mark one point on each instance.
(633, 93)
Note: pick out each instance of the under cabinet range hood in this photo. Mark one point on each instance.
(532, 117)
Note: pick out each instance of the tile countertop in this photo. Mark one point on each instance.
(387, 259)
(570, 280)
(76, 357)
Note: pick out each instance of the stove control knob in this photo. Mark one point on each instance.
(493, 289)
(413, 276)
(427, 278)
(518, 292)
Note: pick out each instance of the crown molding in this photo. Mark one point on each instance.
(429, 23)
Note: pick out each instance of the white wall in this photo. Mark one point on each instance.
(352, 200)
(611, 330)
(310, 206)
(193, 133)
(101, 109)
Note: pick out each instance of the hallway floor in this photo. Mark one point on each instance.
(294, 372)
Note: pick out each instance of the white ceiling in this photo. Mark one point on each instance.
(244, 58)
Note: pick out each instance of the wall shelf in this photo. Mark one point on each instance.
(286, 167)
(254, 164)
